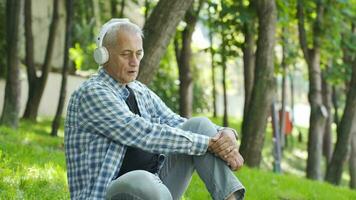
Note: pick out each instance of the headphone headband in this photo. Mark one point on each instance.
(106, 27)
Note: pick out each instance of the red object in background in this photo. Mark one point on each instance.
(288, 127)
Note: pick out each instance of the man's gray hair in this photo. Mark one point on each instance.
(110, 38)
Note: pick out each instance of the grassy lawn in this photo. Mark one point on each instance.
(32, 166)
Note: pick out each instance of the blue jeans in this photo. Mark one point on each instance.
(176, 173)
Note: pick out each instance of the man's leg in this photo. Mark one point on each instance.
(177, 170)
(138, 185)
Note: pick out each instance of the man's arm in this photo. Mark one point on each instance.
(166, 115)
(103, 112)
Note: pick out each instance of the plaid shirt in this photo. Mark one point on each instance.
(99, 126)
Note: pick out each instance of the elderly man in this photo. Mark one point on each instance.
(123, 142)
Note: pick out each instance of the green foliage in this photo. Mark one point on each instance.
(225, 20)
(83, 58)
(83, 36)
(287, 30)
(166, 84)
(340, 47)
(82, 52)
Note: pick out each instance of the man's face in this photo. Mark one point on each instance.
(125, 57)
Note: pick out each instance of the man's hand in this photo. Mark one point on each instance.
(224, 145)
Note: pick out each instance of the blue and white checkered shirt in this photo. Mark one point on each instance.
(99, 126)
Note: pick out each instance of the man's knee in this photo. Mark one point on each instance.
(201, 125)
(138, 185)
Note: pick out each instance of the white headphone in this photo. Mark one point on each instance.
(101, 54)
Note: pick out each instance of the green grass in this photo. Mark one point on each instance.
(32, 166)
(267, 185)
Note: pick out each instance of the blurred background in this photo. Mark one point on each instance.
(282, 73)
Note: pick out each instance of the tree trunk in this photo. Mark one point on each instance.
(282, 121)
(346, 126)
(317, 109)
(223, 63)
(37, 84)
(113, 5)
(11, 107)
(344, 130)
(248, 59)
(147, 9)
(212, 54)
(96, 10)
(254, 127)
(185, 75)
(352, 162)
(317, 119)
(122, 8)
(327, 138)
(3, 50)
(67, 44)
(335, 104)
(159, 29)
(291, 79)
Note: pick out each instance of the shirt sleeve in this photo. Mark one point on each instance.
(167, 116)
(103, 112)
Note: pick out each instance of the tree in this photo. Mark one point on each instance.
(248, 50)
(37, 83)
(159, 29)
(11, 107)
(335, 100)
(2, 39)
(317, 109)
(67, 44)
(284, 66)
(122, 8)
(96, 13)
(113, 10)
(352, 163)
(212, 55)
(183, 56)
(147, 8)
(113, 4)
(327, 137)
(223, 64)
(346, 126)
(254, 125)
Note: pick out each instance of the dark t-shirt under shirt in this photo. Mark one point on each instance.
(137, 159)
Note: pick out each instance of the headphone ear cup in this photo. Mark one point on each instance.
(101, 55)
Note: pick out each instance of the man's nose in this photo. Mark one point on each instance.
(134, 60)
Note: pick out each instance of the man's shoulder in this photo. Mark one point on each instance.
(92, 84)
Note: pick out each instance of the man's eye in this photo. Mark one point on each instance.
(125, 54)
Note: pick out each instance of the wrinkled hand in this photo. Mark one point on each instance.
(224, 145)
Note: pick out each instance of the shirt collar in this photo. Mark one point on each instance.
(104, 76)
